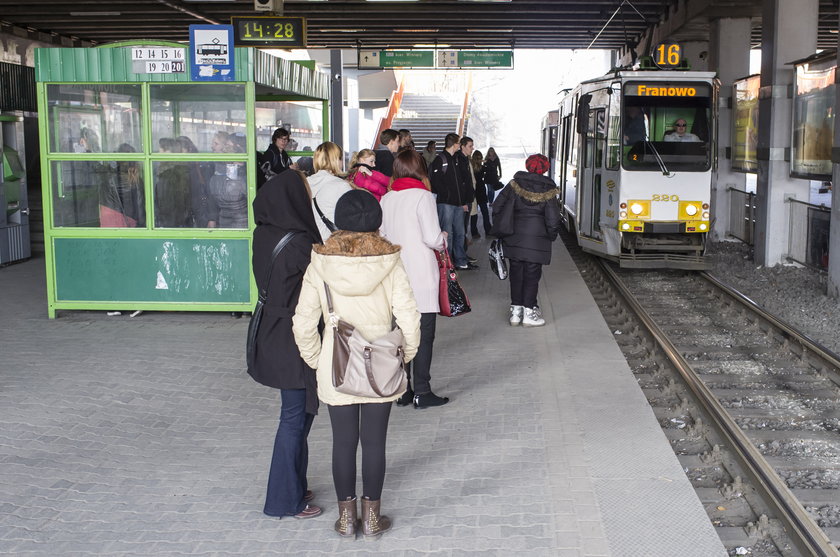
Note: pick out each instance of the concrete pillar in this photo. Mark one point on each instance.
(834, 234)
(337, 97)
(788, 33)
(729, 56)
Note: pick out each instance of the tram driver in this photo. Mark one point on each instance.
(680, 133)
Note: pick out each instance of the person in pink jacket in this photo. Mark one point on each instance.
(409, 219)
(363, 175)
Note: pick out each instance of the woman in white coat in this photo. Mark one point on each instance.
(326, 185)
(409, 219)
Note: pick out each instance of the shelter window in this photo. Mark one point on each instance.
(98, 194)
(94, 118)
(303, 119)
(197, 114)
(651, 112)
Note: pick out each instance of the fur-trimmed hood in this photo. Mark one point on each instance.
(534, 188)
(354, 263)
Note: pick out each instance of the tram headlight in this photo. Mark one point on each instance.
(689, 210)
(625, 226)
(702, 226)
(637, 208)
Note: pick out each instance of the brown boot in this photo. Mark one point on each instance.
(348, 518)
(373, 523)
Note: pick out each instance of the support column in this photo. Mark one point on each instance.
(337, 97)
(729, 56)
(834, 234)
(788, 33)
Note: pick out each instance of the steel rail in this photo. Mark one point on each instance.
(803, 530)
(788, 330)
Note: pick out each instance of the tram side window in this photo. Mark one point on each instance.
(614, 131)
(667, 132)
(595, 138)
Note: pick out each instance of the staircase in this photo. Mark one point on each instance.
(429, 117)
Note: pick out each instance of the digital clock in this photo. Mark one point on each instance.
(282, 32)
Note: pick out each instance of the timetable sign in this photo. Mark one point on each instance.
(165, 66)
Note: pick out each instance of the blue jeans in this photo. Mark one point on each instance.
(452, 222)
(287, 476)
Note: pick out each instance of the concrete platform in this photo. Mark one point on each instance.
(145, 436)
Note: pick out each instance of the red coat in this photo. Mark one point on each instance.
(376, 183)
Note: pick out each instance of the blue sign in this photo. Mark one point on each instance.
(212, 53)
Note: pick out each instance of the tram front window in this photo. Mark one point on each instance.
(667, 126)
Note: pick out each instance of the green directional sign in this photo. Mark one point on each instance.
(407, 59)
(485, 59)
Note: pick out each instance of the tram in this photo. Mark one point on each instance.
(633, 158)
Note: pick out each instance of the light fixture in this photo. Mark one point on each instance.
(489, 30)
(416, 30)
(421, 45)
(104, 14)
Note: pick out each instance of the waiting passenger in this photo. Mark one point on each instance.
(228, 188)
(429, 153)
(409, 219)
(364, 175)
(390, 139)
(526, 215)
(679, 133)
(121, 198)
(327, 186)
(205, 210)
(406, 142)
(369, 288)
(173, 199)
(492, 169)
(275, 159)
(285, 207)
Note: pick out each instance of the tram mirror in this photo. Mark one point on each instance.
(583, 114)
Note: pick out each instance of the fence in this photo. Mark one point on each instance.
(808, 234)
(741, 215)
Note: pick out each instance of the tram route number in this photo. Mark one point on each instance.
(157, 54)
(664, 197)
(173, 66)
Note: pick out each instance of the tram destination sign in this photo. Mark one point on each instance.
(377, 59)
(280, 32)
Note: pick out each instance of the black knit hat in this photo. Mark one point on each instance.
(358, 211)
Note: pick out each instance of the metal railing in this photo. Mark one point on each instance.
(741, 215)
(808, 234)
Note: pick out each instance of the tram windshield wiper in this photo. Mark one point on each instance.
(662, 167)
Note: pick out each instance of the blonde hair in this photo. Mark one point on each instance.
(327, 157)
(363, 154)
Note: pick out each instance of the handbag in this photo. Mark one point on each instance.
(453, 299)
(327, 222)
(497, 259)
(368, 369)
(256, 317)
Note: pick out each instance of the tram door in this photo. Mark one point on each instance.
(593, 166)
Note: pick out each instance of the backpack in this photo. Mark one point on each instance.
(444, 163)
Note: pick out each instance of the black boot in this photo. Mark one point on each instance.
(429, 399)
(406, 399)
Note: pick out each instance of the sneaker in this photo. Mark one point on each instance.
(467, 267)
(428, 400)
(516, 315)
(472, 260)
(309, 511)
(533, 317)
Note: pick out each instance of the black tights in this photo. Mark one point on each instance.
(350, 423)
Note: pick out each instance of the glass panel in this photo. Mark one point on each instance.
(200, 194)
(195, 114)
(745, 125)
(614, 130)
(93, 118)
(813, 121)
(303, 119)
(667, 126)
(98, 194)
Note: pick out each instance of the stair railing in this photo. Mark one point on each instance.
(462, 119)
(393, 108)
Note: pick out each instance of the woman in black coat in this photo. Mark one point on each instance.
(285, 206)
(526, 215)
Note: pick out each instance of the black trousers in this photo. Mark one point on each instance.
(524, 283)
(485, 219)
(421, 365)
(350, 424)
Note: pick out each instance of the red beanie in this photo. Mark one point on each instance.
(538, 164)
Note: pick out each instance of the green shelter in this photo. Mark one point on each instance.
(148, 178)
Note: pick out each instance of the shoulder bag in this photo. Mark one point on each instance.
(367, 369)
(497, 259)
(327, 222)
(256, 317)
(453, 300)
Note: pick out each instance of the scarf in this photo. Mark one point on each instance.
(406, 184)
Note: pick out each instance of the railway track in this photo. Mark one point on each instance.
(750, 406)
